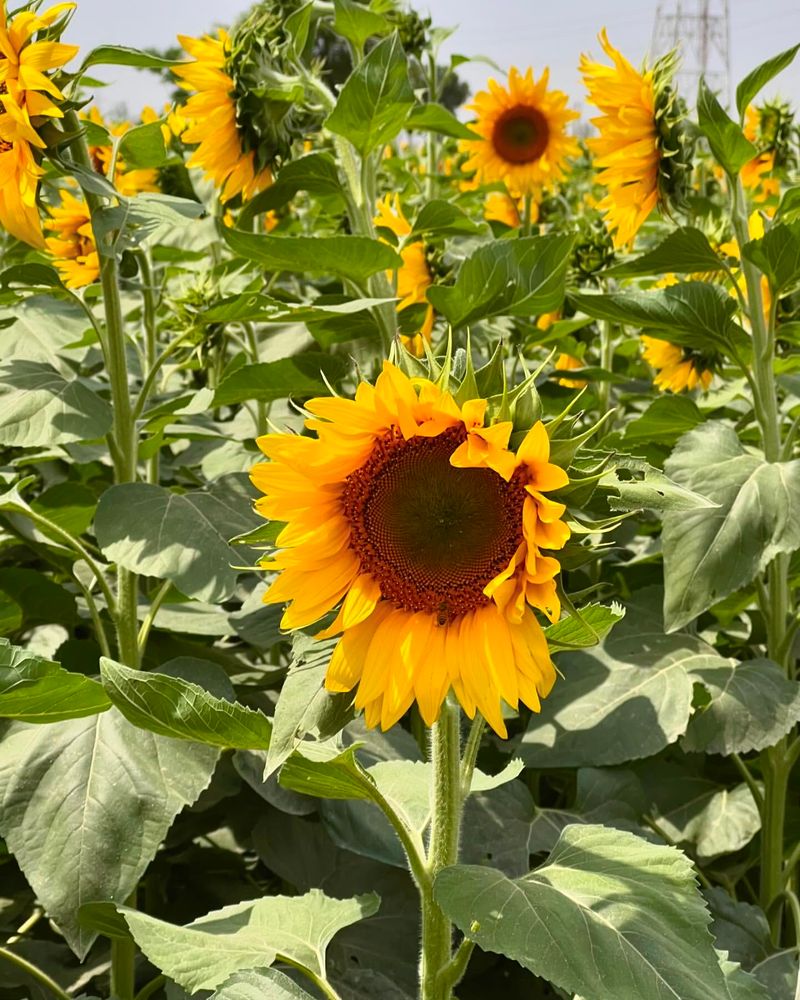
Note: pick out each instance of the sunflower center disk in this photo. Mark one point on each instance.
(433, 535)
(521, 134)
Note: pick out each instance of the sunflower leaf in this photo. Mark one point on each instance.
(710, 553)
(725, 137)
(36, 690)
(182, 537)
(74, 792)
(684, 251)
(351, 257)
(760, 77)
(609, 915)
(203, 954)
(509, 278)
(376, 98)
(777, 254)
(181, 709)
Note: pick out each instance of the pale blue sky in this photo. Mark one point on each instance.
(521, 32)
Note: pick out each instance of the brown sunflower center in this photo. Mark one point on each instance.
(432, 534)
(521, 134)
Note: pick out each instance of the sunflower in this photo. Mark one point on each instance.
(414, 278)
(73, 245)
(222, 151)
(627, 149)
(26, 97)
(566, 362)
(678, 368)
(525, 142)
(411, 511)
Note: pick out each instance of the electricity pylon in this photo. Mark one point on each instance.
(700, 30)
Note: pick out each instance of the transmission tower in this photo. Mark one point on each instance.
(700, 31)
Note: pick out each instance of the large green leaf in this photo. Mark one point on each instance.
(739, 928)
(664, 421)
(609, 916)
(302, 375)
(694, 313)
(122, 55)
(436, 118)
(725, 137)
(636, 485)
(39, 406)
(510, 277)
(684, 251)
(261, 984)
(354, 258)
(203, 954)
(182, 537)
(143, 146)
(443, 218)
(710, 553)
(315, 172)
(43, 330)
(304, 707)
(694, 811)
(588, 628)
(628, 698)
(86, 804)
(356, 22)
(35, 690)
(179, 708)
(777, 254)
(752, 706)
(376, 98)
(760, 77)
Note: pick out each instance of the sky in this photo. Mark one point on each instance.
(509, 32)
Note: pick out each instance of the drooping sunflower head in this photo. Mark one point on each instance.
(524, 128)
(643, 153)
(29, 100)
(678, 367)
(408, 512)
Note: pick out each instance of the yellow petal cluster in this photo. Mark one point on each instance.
(677, 369)
(72, 245)
(524, 133)
(626, 151)
(414, 277)
(411, 515)
(26, 98)
(211, 114)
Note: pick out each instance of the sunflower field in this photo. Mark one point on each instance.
(399, 522)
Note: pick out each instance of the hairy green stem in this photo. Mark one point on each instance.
(470, 757)
(606, 363)
(775, 599)
(150, 342)
(437, 931)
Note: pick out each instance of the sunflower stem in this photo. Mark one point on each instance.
(527, 215)
(448, 800)
(775, 599)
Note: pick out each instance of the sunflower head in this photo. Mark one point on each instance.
(423, 523)
(71, 242)
(31, 58)
(677, 367)
(271, 110)
(524, 133)
(643, 151)
(675, 138)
